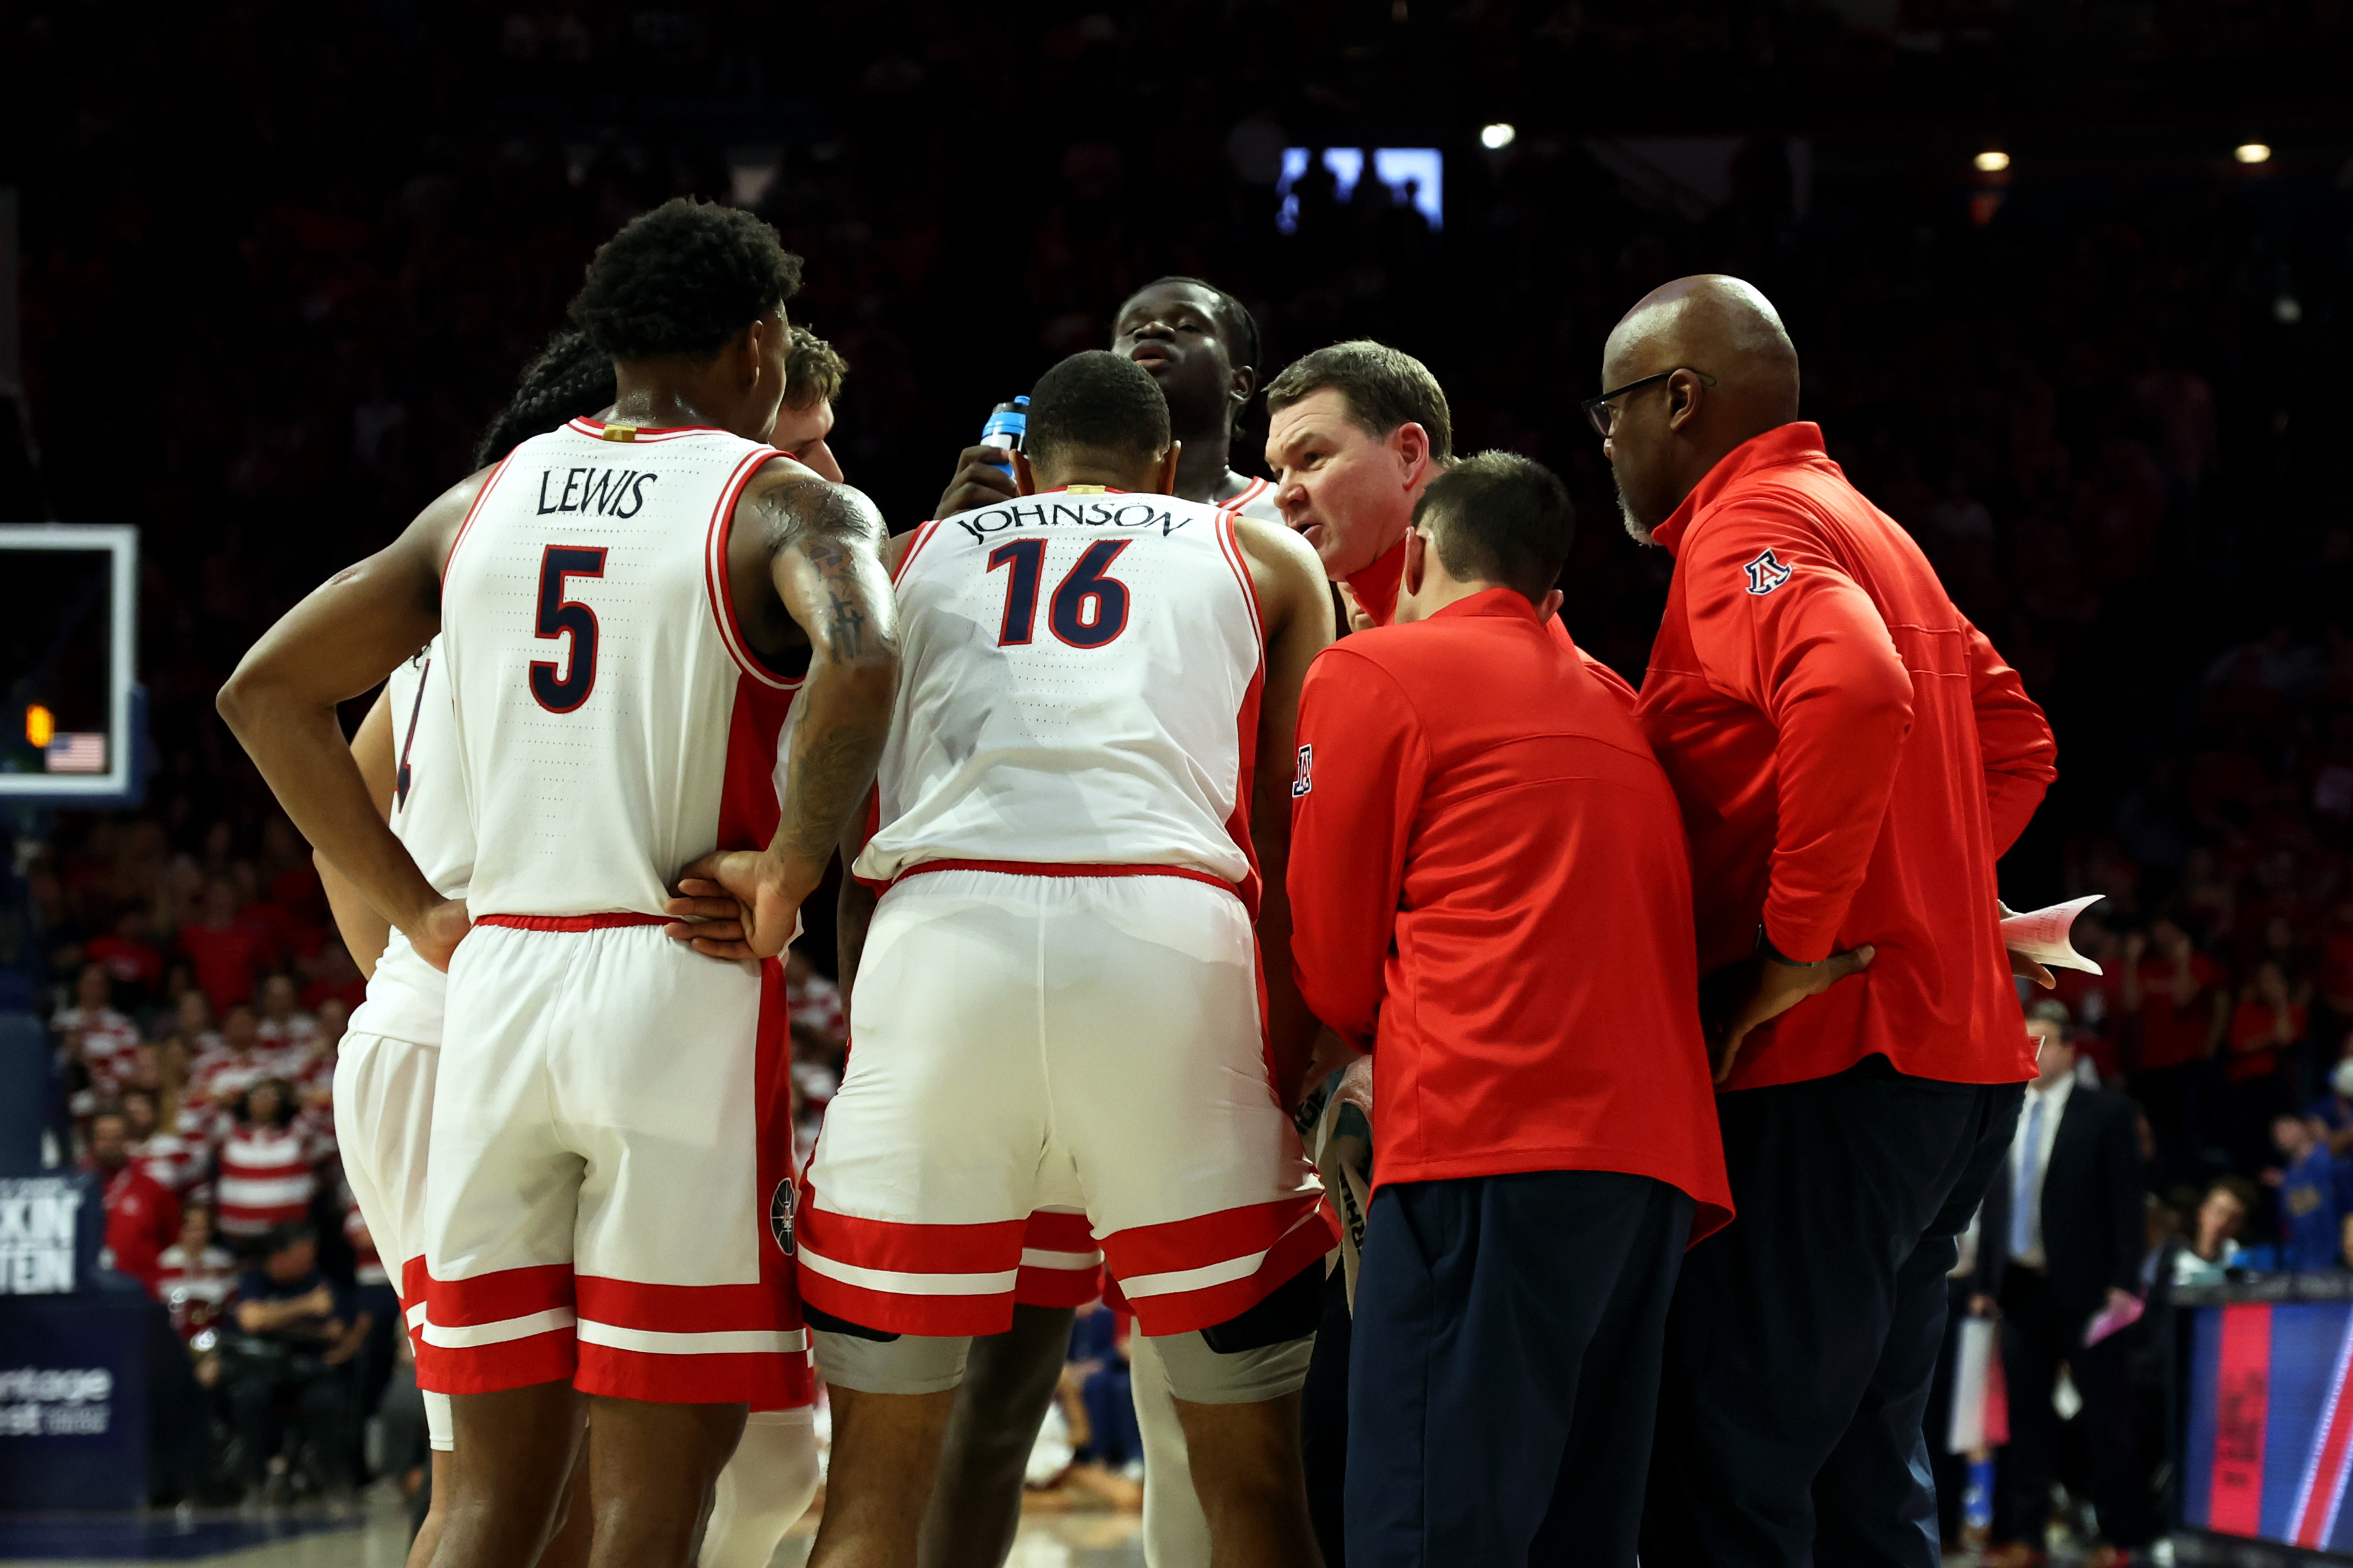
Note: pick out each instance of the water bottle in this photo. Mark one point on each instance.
(1976, 1503)
(1007, 423)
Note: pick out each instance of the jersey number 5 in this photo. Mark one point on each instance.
(1089, 608)
(559, 616)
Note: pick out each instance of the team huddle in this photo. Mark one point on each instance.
(647, 672)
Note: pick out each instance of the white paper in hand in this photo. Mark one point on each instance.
(2043, 935)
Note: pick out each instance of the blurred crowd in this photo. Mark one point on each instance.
(2093, 388)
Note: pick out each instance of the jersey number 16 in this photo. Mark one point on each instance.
(1088, 609)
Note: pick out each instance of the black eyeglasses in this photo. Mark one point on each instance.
(1599, 412)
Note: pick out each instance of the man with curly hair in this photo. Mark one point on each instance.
(635, 611)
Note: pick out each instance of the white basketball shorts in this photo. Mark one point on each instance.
(610, 1196)
(383, 1119)
(1075, 1039)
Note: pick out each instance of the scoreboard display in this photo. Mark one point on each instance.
(68, 658)
(2269, 1439)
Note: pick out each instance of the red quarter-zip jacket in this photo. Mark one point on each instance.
(1851, 757)
(1489, 891)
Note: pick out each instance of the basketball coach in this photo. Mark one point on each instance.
(1851, 757)
(1490, 892)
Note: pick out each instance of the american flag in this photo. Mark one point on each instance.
(78, 754)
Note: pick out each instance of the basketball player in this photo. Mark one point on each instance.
(1201, 345)
(622, 626)
(1110, 852)
(387, 1062)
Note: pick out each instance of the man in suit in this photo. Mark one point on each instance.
(2060, 1244)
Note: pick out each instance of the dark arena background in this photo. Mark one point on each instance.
(2070, 284)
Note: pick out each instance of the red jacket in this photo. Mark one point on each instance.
(142, 1218)
(1377, 587)
(1489, 891)
(1852, 757)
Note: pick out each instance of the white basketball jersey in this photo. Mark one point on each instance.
(611, 723)
(429, 816)
(1079, 685)
(1257, 501)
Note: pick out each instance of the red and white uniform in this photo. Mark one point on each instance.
(196, 1288)
(290, 1037)
(611, 1131)
(178, 1159)
(387, 1065)
(109, 1045)
(1058, 1041)
(267, 1178)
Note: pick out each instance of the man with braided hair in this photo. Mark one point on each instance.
(660, 592)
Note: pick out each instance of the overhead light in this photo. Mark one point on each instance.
(1991, 162)
(2252, 152)
(1498, 136)
(40, 726)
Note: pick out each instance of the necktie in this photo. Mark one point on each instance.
(2022, 1192)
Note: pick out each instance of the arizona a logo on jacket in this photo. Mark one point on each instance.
(1304, 780)
(1766, 572)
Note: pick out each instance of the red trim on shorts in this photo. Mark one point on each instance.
(1050, 1230)
(610, 922)
(495, 1298)
(1065, 868)
(896, 1248)
(550, 1357)
(1035, 1287)
(1308, 1237)
(684, 1308)
(412, 1292)
(888, 1314)
(763, 1380)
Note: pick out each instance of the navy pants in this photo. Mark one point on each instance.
(1805, 1334)
(1505, 1366)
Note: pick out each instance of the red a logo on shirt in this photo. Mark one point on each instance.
(1304, 780)
(1766, 574)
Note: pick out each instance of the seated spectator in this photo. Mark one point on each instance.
(177, 1162)
(192, 1024)
(142, 1217)
(196, 1276)
(295, 1337)
(130, 953)
(2311, 1210)
(266, 1177)
(232, 1065)
(2213, 1247)
(94, 1034)
(226, 953)
(282, 1025)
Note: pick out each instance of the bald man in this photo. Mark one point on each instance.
(1851, 757)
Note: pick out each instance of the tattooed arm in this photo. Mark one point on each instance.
(821, 547)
